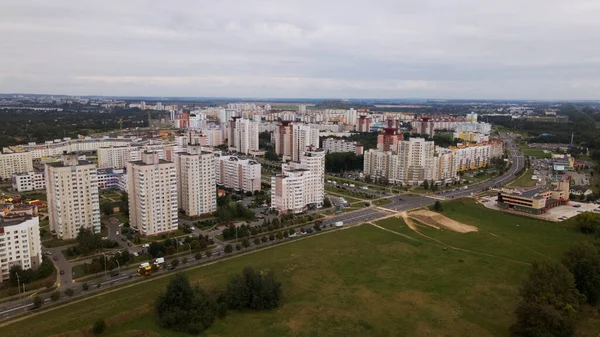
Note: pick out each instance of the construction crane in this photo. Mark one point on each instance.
(121, 125)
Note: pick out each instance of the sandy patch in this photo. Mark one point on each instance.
(438, 221)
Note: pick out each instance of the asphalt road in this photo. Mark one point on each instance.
(399, 203)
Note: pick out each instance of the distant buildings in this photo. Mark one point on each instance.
(152, 190)
(363, 124)
(60, 146)
(334, 145)
(72, 190)
(300, 186)
(242, 135)
(196, 181)
(233, 172)
(15, 163)
(28, 181)
(20, 243)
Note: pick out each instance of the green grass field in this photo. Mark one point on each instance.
(533, 152)
(382, 202)
(362, 281)
(524, 180)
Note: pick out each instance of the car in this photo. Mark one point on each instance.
(576, 205)
(146, 245)
(193, 228)
(62, 272)
(117, 233)
(48, 253)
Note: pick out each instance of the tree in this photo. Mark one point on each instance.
(69, 292)
(85, 286)
(279, 236)
(253, 290)
(271, 237)
(584, 262)
(535, 319)
(264, 239)
(185, 308)
(256, 241)
(245, 243)
(588, 223)
(106, 208)
(438, 206)
(208, 253)
(426, 184)
(88, 241)
(55, 296)
(175, 262)
(198, 256)
(37, 301)
(184, 260)
(99, 326)
(228, 248)
(326, 203)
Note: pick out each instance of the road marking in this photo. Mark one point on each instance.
(17, 308)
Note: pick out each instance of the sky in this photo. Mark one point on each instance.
(464, 49)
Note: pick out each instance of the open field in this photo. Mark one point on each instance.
(362, 281)
(524, 180)
(533, 152)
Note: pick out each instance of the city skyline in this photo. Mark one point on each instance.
(434, 49)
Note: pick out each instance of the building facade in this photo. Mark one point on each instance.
(15, 163)
(300, 186)
(20, 243)
(28, 181)
(72, 190)
(242, 135)
(196, 181)
(233, 172)
(152, 189)
(334, 145)
(113, 157)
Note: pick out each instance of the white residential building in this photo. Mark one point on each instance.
(152, 189)
(72, 190)
(60, 146)
(28, 181)
(300, 185)
(304, 137)
(243, 135)
(233, 172)
(413, 163)
(15, 163)
(335, 145)
(113, 157)
(377, 164)
(196, 183)
(20, 243)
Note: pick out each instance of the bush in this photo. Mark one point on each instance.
(208, 253)
(271, 237)
(85, 286)
(69, 292)
(37, 301)
(257, 241)
(245, 243)
(185, 308)
(198, 256)
(175, 262)
(55, 296)
(264, 239)
(185, 260)
(99, 326)
(253, 290)
(228, 248)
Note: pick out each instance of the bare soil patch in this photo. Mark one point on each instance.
(438, 221)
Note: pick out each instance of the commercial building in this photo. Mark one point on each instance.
(242, 135)
(534, 201)
(196, 181)
(233, 172)
(300, 186)
(152, 189)
(28, 181)
(334, 145)
(15, 163)
(72, 190)
(20, 242)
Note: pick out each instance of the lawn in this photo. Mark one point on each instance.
(53, 242)
(524, 180)
(361, 281)
(382, 202)
(533, 152)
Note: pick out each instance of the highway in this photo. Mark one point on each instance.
(399, 203)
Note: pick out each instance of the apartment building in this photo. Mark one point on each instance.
(413, 162)
(242, 135)
(283, 140)
(20, 242)
(72, 190)
(196, 183)
(300, 185)
(234, 172)
(152, 189)
(334, 145)
(363, 124)
(292, 139)
(377, 164)
(471, 156)
(28, 181)
(15, 163)
(113, 157)
(59, 146)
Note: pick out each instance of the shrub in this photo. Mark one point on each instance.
(253, 290)
(198, 256)
(99, 326)
(69, 292)
(228, 248)
(37, 301)
(85, 286)
(55, 296)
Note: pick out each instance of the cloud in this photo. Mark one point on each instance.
(538, 49)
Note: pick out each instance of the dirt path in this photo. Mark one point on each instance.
(438, 220)
(413, 226)
(391, 231)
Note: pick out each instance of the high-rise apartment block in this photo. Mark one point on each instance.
(16, 162)
(72, 190)
(292, 139)
(113, 157)
(300, 185)
(20, 242)
(196, 184)
(334, 145)
(152, 189)
(363, 124)
(233, 172)
(242, 135)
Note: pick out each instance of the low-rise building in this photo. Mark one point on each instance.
(109, 178)
(15, 163)
(28, 181)
(534, 201)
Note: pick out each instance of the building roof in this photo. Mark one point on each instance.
(61, 164)
(141, 163)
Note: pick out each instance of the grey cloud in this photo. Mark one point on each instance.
(435, 48)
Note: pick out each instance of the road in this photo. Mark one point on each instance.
(399, 204)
